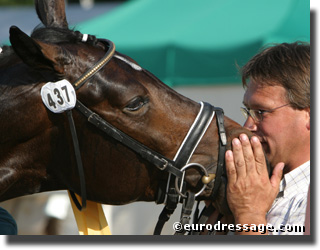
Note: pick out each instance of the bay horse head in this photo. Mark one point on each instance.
(36, 149)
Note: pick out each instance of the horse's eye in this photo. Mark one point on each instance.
(136, 104)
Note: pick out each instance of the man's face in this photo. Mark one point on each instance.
(284, 132)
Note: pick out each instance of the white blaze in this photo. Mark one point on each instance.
(132, 64)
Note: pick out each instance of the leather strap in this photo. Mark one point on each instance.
(221, 155)
(186, 211)
(195, 134)
(213, 232)
(148, 154)
(79, 165)
(203, 218)
(103, 61)
(168, 210)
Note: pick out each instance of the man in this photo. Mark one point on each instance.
(277, 111)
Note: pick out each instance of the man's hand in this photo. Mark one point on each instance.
(250, 192)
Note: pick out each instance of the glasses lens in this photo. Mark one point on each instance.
(255, 115)
(245, 112)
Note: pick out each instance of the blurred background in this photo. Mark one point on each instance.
(196, 47)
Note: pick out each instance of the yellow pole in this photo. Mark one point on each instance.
(92, 220)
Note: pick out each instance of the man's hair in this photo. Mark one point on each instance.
(286, 65)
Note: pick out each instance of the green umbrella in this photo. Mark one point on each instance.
(200, 42)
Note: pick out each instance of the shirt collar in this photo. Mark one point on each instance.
(288, 179)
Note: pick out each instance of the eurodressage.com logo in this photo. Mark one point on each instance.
(220, 227)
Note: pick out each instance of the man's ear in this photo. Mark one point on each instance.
(308, 121)
(36, 54)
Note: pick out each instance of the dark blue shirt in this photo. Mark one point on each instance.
(8, 225)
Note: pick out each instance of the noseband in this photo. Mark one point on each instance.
(175, 167)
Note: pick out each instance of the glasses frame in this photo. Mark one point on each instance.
(257, 114)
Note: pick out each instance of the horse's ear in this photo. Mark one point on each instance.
(52, 13)
(36, 54)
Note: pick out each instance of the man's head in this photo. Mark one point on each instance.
(286, 65)
(277, 84)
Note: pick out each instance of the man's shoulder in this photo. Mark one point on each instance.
(298, 180)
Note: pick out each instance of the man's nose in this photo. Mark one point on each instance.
(250, 124)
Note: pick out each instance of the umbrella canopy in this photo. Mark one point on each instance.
(200, 42)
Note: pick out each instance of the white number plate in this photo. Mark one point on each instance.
(58, 96)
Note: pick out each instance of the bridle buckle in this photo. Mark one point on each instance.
(164, 166)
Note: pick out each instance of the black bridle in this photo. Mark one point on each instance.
(174, 167)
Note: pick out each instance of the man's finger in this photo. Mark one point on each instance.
(277, 176)
(230, 167)
(259, 156)
(248, 154)
(239, 161)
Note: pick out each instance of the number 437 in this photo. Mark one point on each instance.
(58, 96)
(57, 93)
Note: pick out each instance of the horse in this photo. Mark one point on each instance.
(37, 147)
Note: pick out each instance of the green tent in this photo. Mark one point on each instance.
(200, 42)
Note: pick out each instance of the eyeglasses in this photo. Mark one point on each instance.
(257, 114)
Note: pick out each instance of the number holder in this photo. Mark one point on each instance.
(58, 96)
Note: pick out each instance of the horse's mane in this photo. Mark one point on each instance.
(57, 35)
